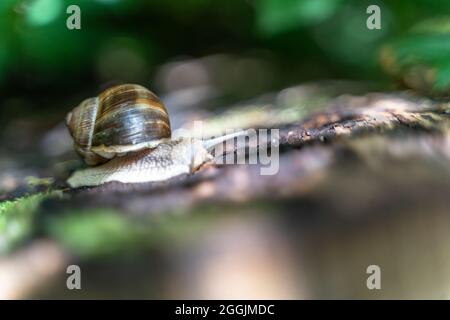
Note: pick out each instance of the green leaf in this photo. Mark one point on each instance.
(276, 16)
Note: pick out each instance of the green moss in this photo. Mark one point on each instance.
(96, 232)
(16, 218)
(101, 232)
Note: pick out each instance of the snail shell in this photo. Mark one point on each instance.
(121, 119)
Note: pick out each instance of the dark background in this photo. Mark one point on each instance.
(45, 69)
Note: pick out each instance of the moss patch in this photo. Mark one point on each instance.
(101, 232)
(96, 232)
(16, 218)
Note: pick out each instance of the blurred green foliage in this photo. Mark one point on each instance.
(107, 232)
(127, 40)
(279, 16)
(421, 58)
(98, 232)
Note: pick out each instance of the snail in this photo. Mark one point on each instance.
(124, 134)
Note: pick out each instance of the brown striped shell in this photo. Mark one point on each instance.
(121, 119)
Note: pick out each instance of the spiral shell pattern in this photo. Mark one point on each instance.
(121, 119)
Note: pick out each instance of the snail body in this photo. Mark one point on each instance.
(125, 135)
(166, 160)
